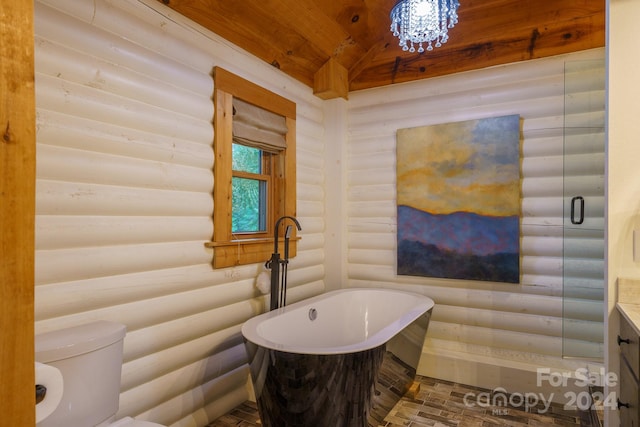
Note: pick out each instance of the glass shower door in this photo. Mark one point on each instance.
(583, 208)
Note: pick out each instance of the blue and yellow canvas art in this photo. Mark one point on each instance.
(458, 200)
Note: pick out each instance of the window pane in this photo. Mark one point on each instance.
(246, 159)
(249, 205)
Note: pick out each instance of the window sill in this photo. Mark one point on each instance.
(247, 251)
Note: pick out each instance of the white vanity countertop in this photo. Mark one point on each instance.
(629, 301)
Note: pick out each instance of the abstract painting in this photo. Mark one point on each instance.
(458, 200)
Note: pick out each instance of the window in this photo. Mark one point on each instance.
(254, 169)
(250, 185)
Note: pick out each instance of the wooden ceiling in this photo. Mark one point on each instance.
(336, 46)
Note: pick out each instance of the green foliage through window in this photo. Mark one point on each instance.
(249, 195)
(246, 159)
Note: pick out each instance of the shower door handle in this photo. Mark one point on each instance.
(580, 201)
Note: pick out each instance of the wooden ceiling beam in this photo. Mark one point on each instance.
(331, 81)
(395, 66)
(366, 59)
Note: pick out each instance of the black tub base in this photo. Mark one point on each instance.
(335, 390)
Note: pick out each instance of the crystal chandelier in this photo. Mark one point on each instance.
(423, 21)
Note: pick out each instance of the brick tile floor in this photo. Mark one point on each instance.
(445, 404)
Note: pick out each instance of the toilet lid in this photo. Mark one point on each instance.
(130, 422)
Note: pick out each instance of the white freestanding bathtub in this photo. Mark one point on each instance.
(343, 358)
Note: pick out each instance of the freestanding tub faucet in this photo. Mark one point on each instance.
(279, 285)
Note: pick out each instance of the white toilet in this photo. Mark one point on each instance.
(90, 360)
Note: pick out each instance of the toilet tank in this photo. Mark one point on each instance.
(90, 359)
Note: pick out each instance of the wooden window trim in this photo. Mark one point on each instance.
(229, 249)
